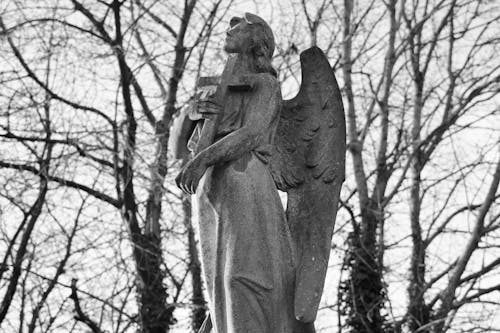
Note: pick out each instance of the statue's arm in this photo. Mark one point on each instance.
(262, 109)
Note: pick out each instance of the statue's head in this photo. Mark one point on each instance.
(251, 35)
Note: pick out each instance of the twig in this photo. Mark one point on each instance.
(80, 316)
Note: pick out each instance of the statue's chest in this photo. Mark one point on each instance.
(237, 91)
(234, 106)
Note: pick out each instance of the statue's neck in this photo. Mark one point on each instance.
(240, 63)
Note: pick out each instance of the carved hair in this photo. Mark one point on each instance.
(261, 45)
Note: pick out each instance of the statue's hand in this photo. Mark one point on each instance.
(208, 108)
(190, 175)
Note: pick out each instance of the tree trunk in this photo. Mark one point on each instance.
(417, 309)
(365, 289)
(155, 317)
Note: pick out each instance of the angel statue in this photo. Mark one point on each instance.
(264, 267)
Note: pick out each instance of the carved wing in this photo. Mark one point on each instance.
(308, 162)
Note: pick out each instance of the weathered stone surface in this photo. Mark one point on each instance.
(265, 268)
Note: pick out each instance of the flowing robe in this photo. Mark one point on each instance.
(247, 251)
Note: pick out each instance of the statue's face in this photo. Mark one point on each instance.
(238, 37)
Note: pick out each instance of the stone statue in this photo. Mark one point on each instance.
(264, 267)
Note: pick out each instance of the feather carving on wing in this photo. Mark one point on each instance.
(308, 162)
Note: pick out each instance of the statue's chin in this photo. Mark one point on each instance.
(230, 49)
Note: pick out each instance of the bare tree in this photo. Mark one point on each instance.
(42, 157)
(419, 49)
(411, 83)
(120, 32)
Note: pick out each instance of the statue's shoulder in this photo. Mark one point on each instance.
(266, 81)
